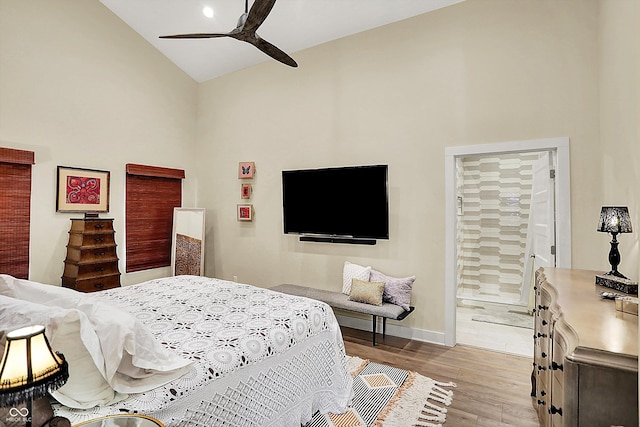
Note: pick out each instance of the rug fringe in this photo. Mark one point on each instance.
(356, 365)
(413, 398)
(421, 424)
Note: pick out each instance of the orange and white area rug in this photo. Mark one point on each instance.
(384, 396)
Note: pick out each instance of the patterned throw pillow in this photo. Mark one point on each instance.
(353, 271)
(396, 290)
(366, 292)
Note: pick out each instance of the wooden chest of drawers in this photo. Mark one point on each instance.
(585, 354)
(92, 262)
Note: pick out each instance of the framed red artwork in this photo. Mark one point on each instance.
(82, 190)
(245, 212)
(245, 191)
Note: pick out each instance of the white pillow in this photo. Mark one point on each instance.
(86, 386)
(134, 360)
(353, 271)
(5, 287)
(70, 333)
(126, 346)
(40, 293)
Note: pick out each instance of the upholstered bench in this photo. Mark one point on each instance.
(341, 301)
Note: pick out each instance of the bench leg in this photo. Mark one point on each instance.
(384, 327)
(375, 322)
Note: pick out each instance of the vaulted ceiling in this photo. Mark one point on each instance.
(292, 25)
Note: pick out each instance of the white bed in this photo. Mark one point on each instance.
(258, 357)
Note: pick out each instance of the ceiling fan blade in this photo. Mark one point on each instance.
(273, 51)
(246, 31)
(257, 14)
(196, 36)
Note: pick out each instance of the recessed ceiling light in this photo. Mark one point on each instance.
(207, 11)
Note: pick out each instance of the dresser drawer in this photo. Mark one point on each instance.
(91, 239)
(93, 284)
(557, 403)
(86, 270)
(559, 352)
(88, 254)
(92, 225)
(543, 400)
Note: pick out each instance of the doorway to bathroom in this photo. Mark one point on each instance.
(494, 205)
(496, 191)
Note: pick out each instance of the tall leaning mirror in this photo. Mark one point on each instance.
(187, 254)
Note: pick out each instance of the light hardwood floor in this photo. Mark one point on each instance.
(493, 389)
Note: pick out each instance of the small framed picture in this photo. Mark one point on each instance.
(245, 191)
(246, 170)
(82, 190)
(245, 212)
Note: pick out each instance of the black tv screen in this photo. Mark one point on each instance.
(345, 201)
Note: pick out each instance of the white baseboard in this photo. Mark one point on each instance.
(392, 329)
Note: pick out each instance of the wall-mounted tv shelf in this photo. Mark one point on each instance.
(331, 239)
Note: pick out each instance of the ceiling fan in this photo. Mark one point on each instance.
(245, 31)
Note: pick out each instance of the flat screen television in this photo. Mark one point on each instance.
(342, 202)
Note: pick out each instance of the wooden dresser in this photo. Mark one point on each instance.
(92, 262)
(585, 353)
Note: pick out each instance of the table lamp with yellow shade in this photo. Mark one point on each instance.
(29, 369)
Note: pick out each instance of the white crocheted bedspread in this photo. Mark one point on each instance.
(261, 358)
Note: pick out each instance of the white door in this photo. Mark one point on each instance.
(541, 241)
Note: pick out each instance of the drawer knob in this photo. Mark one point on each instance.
(543, 307)
(99, 285)
(99, 226)
(545, 323)
(542, 368)
(100, 253)
(556, 366)
(543, 393)
(99, 268)
(541, 402)
(541, 335)
(98, 239)
(553, 410)
(544, 354)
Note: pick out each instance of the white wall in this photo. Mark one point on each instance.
(619, 81)
(620, 120)
(80, 88)
(476, 72)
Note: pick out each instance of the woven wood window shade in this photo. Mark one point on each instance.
(152, 193)
(15, 211)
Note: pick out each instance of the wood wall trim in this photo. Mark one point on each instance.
(20, 157)
(144, 170)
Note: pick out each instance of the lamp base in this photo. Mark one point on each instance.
(617, 274)
(620, 284)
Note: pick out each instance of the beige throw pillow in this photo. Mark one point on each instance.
(366, 292)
